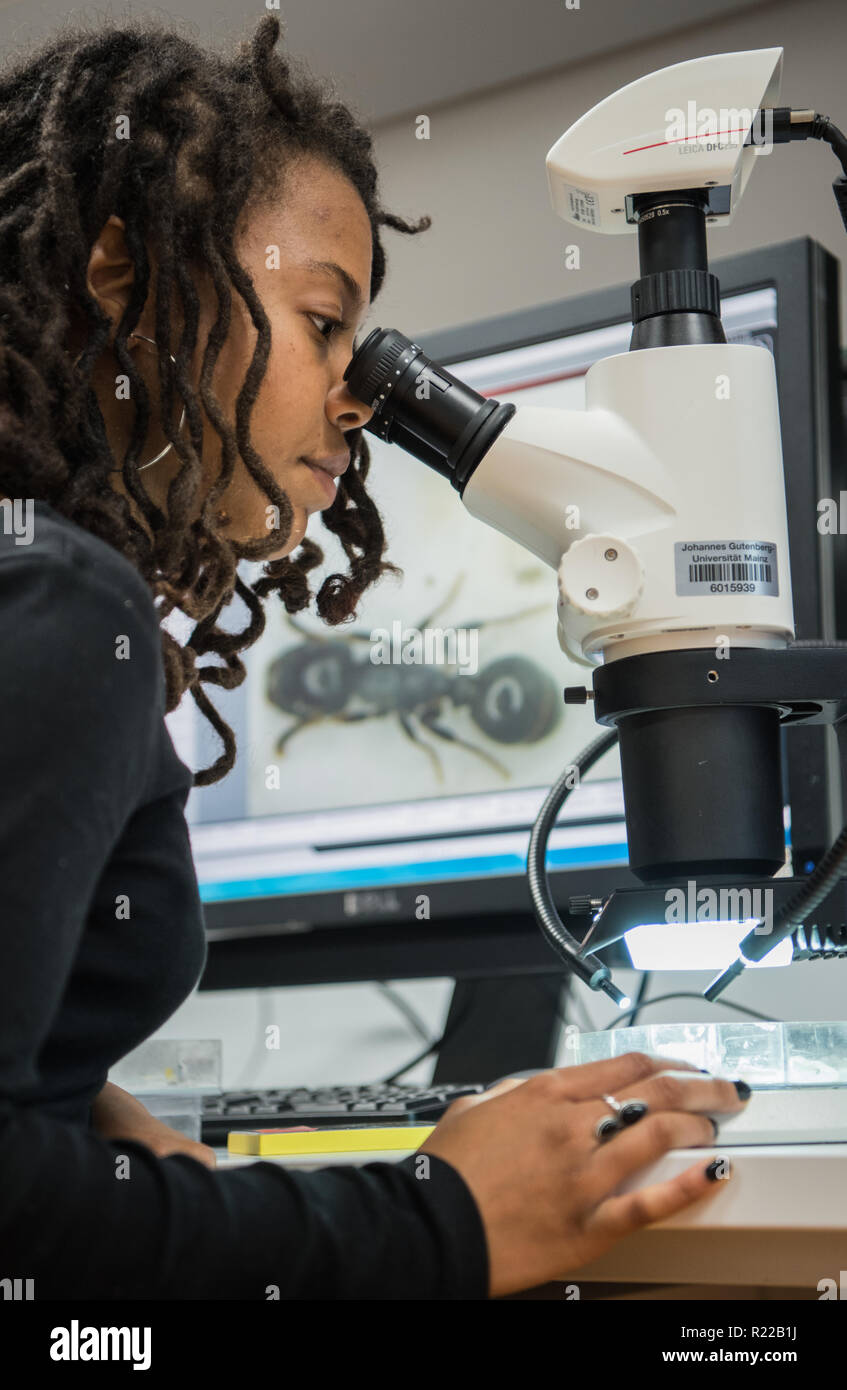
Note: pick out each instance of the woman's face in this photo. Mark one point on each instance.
(303, 406)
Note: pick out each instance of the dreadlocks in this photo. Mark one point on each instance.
(211, 137)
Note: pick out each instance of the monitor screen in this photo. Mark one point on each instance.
(449, 724)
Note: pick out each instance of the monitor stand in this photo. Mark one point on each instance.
(501, 1024)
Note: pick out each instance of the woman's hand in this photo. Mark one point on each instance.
(115, 1114)
(542, 1180)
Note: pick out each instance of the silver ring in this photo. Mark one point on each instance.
(609, 1125)
(628, 1112)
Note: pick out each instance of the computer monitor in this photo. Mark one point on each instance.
(390, 840)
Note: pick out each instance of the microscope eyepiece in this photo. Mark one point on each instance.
(422, 407)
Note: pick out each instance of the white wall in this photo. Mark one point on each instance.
(495, 246)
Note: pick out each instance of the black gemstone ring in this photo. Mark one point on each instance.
(632, 1110)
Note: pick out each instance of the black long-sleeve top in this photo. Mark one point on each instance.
(101, 938)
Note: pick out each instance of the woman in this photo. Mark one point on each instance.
(169, 224)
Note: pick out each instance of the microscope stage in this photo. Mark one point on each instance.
(797, 1072)
(788, 1115)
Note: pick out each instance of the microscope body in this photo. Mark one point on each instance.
(661, 504)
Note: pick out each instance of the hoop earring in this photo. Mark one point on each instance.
(162, 452)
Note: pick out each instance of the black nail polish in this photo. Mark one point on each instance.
(715, 1125)
(743, 1090)
(712, 1172)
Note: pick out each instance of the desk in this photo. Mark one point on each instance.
(774, 1230)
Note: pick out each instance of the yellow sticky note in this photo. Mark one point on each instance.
(267, 1142)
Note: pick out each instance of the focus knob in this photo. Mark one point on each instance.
(602, 576)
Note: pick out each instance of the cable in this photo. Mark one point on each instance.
(786, 124)
(406, 1010)
(792, 915)
(686, 994)
(578, 1007)
(823, 129)
(433, 1047)
(780, 124)
(639, 998)
(589, 1026)
(589, 968)
(788, 919)
(450, 1032)
(258, 1053)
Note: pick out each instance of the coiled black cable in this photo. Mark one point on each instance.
(822, 128)
(790, 918)
(588, 968)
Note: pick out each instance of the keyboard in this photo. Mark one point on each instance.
(327, 1107)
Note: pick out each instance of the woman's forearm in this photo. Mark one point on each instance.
(115, 1114)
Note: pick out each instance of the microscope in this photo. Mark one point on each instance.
(661, 509)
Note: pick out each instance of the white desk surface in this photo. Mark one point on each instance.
(779, 1220)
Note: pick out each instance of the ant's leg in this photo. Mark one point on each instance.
(510, 617)
(445, 602)
(304, 631)
(483, 622)
(300, 724)
(430, 720)
(323, 636)
(321, 718)
(406, 725)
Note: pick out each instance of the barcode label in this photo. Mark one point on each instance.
(726, 567)
(698, 573)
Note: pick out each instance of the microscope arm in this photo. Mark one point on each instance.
(661, 505)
